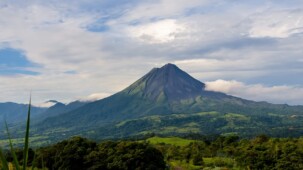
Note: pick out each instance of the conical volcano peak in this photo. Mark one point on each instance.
(168, 82)
(169, 66)
(169, 71)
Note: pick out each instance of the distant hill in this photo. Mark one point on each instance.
(16, 113)
(59, 108)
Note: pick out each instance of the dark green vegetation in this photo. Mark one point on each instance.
(79, 154)
(165, 101)
(208, 123)
(220, 152)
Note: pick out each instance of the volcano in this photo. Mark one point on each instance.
(168, 97)
(168, 83)
(164, 90)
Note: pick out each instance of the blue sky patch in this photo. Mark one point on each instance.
(98, 28)
(99, 25)
(16, 71)
(13, 58)
(13, 61)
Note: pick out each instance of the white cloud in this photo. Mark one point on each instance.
(46, 104)
(230, 67)
(94, 97)
(277, 24)
(157, 32)
(275, 94)
(208, 39)
(50, 37)
(148, 10)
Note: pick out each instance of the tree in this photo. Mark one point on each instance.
(197, 159)
(125, 155)
(68, 154)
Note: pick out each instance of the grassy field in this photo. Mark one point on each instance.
(182, 165)
(35, 141)
(215, 163)
(170, 140)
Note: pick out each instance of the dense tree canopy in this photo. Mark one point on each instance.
(80, 153)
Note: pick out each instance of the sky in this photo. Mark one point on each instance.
(89, 49)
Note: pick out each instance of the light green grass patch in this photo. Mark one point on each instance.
(177, 164)
(207, 113)
(174, 129)
(219, 162)
(237, 116)
(34, 140)
(170, 140)
(192, 124)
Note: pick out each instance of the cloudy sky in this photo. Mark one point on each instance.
(88, 49)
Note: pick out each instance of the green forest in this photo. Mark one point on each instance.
(190, 152)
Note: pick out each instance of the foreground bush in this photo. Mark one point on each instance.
(78, 153)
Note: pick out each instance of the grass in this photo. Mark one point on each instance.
(36, 141)
(6, 165)
(170, 140)
(208, 113)
(177, 164)
(236, 116)
(182, 129)
(215, 163)
(220, 162)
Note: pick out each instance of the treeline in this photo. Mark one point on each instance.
(79, 153)
(259, 153)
